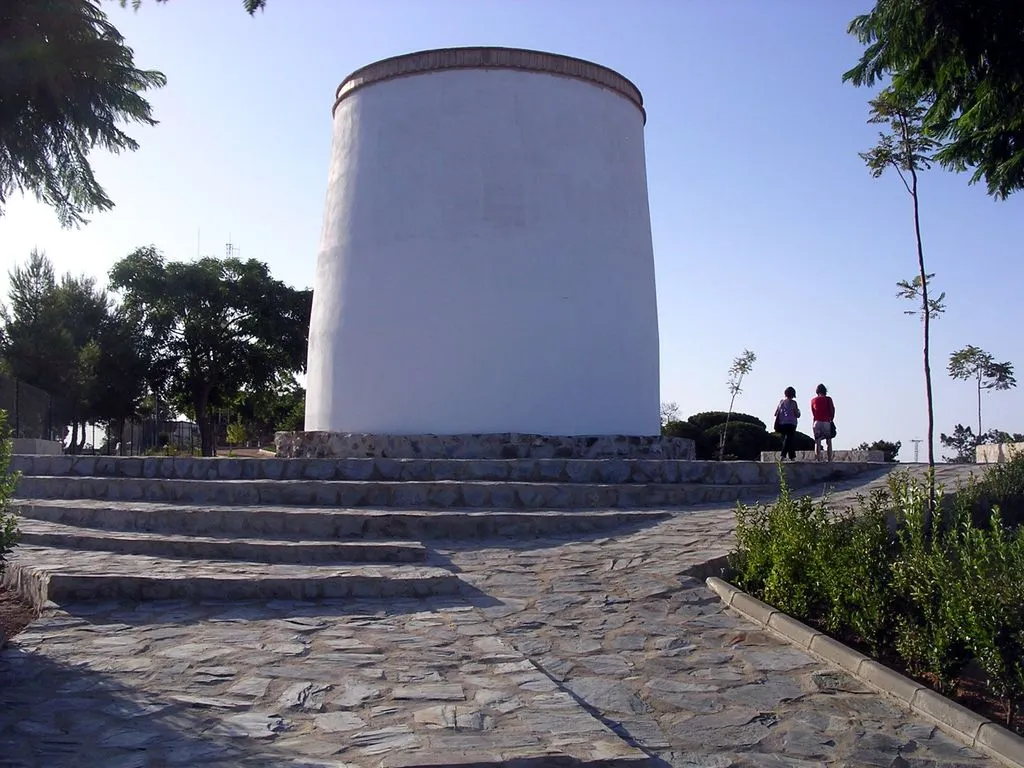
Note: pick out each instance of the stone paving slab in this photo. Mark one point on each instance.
(498, 470)
(43, 574)
(324, 523)
(608, 645)
(406, 494)
(420, 683)
(40, 533)
(620, 623)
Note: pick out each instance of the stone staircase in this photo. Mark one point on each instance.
(96, 528)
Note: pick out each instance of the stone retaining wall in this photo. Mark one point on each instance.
(489, 446)
(858, 457)
(31, 446)
(998, 453)
(427, 470)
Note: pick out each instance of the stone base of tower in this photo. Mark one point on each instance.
(351, 445)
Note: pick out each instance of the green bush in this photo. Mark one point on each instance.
(8, 484)
(775, 555)
(853, 564)
(986, 599)
(938, 595)
(801, 442)
(681, 429)
(1002, 485)
(237, 433)
(743, 440)
(927, 636)
(708, 419)
(805, 559)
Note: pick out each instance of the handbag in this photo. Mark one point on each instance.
(832, 429)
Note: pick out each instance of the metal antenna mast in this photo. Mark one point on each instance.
(917, 448)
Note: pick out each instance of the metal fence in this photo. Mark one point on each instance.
(30, 410)
(146, 437)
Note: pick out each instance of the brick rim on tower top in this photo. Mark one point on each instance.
(488, 57)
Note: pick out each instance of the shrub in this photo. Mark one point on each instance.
(927, 636)
(8, 484)
(775, 550)
(802, 558)
(708, 419)
(681, 429)
(236, 433)
(801, 442)
(985, 602)
(853, 564)
(937, 594)
(743, 440)
(1002, 485)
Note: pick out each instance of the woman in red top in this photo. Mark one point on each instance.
(823, 411)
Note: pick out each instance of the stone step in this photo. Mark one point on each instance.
(402, 495)
(322, 524)
(41, 574)
(425, 470)
(59, 536)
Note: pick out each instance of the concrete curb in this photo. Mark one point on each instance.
(974, 730)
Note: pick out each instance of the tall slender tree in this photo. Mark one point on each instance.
(741, 366)
(251, 6)
(905, 148)
(972, 362)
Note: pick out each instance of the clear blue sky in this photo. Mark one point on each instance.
(769, 233)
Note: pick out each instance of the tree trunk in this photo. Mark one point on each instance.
(725, 432)
(73, 448)
(927, 339)
(207, 434)
(979, 407)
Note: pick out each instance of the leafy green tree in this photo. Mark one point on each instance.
(217, 327)
(741, 366)
(84, 312)
(278, 407)
(962, 60)
(53, 336)
(38, 348)
(963, 441)
(891, 450)
(995, 436)
(68, 82)
(125, 369)
(251, 6)
(975, 363)
(907, 149)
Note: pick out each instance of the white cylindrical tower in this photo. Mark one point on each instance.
(486, 262)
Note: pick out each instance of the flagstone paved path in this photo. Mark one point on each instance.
(601, 652)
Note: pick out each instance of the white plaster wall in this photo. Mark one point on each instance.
(997, 453)
(486, 261)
